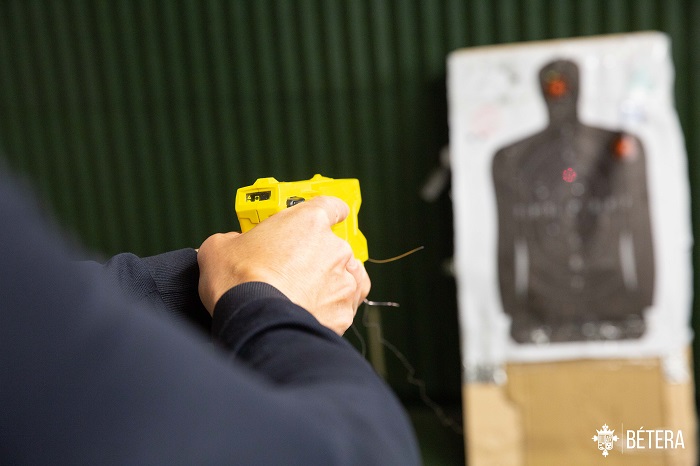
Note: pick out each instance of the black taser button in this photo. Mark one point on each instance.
(294, 200)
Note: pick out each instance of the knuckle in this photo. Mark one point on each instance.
(315, 217)
(344, 247)
(208, 243)
(350, 288)
(366, 286)
(320, 217)
(217, 237)
(217, 240)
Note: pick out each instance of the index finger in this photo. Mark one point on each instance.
(335, 208)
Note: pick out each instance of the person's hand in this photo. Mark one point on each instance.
(296, 252)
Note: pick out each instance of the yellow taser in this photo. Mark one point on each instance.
(267, 196)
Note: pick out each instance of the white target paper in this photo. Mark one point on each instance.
(571, 201)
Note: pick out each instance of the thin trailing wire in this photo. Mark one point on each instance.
(395, 258)
(381, 303)
(411, 378)
(385, 261)
(363, 345)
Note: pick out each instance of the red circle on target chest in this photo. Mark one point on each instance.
(568, 175)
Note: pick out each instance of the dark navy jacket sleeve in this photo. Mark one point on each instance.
(90, 376)
(166, 283)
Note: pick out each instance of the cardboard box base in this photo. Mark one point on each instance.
(548, 413)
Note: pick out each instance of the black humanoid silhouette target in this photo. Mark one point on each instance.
(575, 255)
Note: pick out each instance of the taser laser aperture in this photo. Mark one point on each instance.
(267, 196)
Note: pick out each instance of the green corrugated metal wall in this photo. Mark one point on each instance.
(137, 120)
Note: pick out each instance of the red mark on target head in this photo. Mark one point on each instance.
(568, 175)
(556, 87)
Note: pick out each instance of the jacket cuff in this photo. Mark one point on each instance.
(252, 308)
(176, 276)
